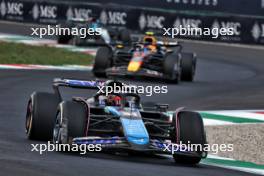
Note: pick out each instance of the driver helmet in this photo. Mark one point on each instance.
(113, 100)
(149, 39)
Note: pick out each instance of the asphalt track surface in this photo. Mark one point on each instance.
(227, 78)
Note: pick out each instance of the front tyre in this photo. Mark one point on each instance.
(103, 60)
(172, 69)
(188, 65)
(70, 122)
(188, 128)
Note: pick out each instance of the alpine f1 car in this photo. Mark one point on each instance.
(107, 34)
(148, 58)
(115, 121)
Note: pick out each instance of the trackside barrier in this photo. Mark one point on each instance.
(248, 29)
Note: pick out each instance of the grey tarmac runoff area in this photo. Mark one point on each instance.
(227, 78)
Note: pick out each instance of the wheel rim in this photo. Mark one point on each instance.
(29, 118)
(60, 130)
(177, 72)
(193, 71)
(57, 130)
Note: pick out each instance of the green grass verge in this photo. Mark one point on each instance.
(15, 53)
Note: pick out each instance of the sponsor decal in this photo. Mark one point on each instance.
(188, 23)
(12, 10)
(142, 21)
(257, 31)
(236, 26)
(228, 24)
(35, 12)
(103, 17)
(82, 13)
(113, 17)
(185, 22)
(44, 13)
(3, 8)
(151, 21)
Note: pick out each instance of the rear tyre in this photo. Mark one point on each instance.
(70, 122)
(64, 39)
(41, 113)
(103, 60)
(191, 130)
(188, 65)
(172, 68)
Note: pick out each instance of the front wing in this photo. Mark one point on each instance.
(143, 72)
(155, 146)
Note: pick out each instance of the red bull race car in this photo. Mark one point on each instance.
(147, 58)
(118, 120)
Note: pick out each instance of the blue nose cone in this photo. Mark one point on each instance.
(135, 131)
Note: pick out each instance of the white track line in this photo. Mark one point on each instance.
(239, 114)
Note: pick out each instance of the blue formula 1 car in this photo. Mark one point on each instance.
(106, 35)
(116, 120)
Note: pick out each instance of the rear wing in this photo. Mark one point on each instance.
(168, 44)
(90, 84)
(127, 89)
(161, 43)
(81, 84)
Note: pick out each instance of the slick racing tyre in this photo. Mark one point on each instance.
(189, 129)
(103, 60)
(125, 36)
(172, 69)
(65, 39)
(188, 64)
(41, 114)
(70, 122)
